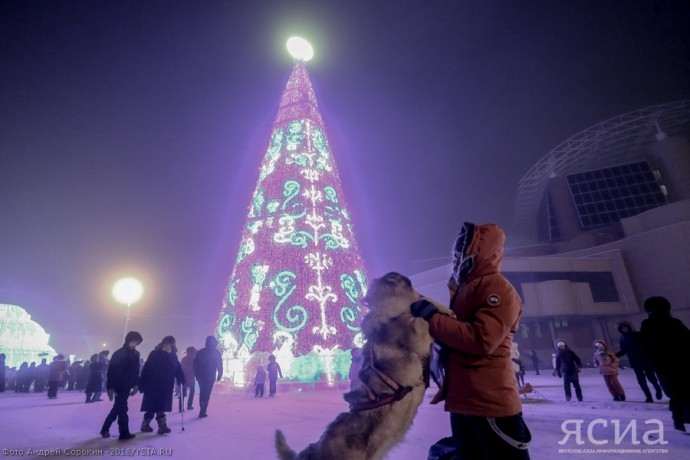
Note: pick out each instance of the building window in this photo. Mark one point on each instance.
(627, 189)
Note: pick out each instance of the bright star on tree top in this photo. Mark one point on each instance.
(300, 49)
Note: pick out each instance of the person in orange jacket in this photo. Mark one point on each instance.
(608, 364)
(479, 385)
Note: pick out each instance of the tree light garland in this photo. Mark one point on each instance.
(296, 286)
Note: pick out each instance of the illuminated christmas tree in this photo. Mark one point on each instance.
(298, 278)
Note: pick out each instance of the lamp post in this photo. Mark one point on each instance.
(127, 291)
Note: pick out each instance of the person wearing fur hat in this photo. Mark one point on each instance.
(662, 335)
(568, 367)
(479, 385)
(157, 382)
(208, 368)
(122, 381)
(631, 345)
(190, 379)
(608, 363)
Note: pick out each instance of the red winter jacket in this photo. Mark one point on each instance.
(479, 372)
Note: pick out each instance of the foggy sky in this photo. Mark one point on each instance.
(131, 132)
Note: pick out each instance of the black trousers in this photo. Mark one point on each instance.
(644, 374)
(52, 389)
(272, 387)
(205, 390)
(190, 396)
(573, 379)
(259, 390)
(119, 412)
(478, 438)
(679, 399)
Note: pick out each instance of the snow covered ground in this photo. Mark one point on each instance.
(242, 427)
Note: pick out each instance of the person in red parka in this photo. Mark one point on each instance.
(479, 385)
(56, 373)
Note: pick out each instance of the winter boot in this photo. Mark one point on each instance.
(202, 411)
(146, 425)
(162, 425)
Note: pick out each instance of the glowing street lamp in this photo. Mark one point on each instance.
(127, 291)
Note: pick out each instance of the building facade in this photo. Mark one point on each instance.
(607, 214)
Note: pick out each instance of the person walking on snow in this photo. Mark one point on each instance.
(274, 371)
(190, 379)
(95, 382)
(122, 382)
(567, 367)
(608, 363)
(208, 368)
(535, 361)
(157, 382)
(58, 368)
(631, 345)
(663, 338)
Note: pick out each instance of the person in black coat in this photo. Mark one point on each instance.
(274, 371)
(122, 382)
(535, 361)
(95, 382)
(662, 336)
(208, 368)
(568, 366)
(631, 345)
(2, 372)
(157, 383)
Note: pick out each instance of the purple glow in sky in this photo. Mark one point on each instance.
(132, 133)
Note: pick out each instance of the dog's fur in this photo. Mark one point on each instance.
(402, 350)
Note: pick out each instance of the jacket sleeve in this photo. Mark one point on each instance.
(145, 376)
(488, 328)
(113, 373)
(179, 373)
(219, 365)
(614, 359)
(577, 360)
(197, 364)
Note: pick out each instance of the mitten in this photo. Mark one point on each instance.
(423, 309)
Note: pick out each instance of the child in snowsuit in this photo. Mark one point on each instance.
(608, 363)
(567, 367)
(259, 382)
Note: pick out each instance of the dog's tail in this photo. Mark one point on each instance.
(284, 451)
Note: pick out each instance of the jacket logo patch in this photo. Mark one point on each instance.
(493, 300)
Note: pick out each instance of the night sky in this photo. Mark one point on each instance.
(131, 132)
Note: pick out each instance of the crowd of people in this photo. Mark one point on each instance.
(125, 374)
(475, 350)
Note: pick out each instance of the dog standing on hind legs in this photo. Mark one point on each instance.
(394, 377)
